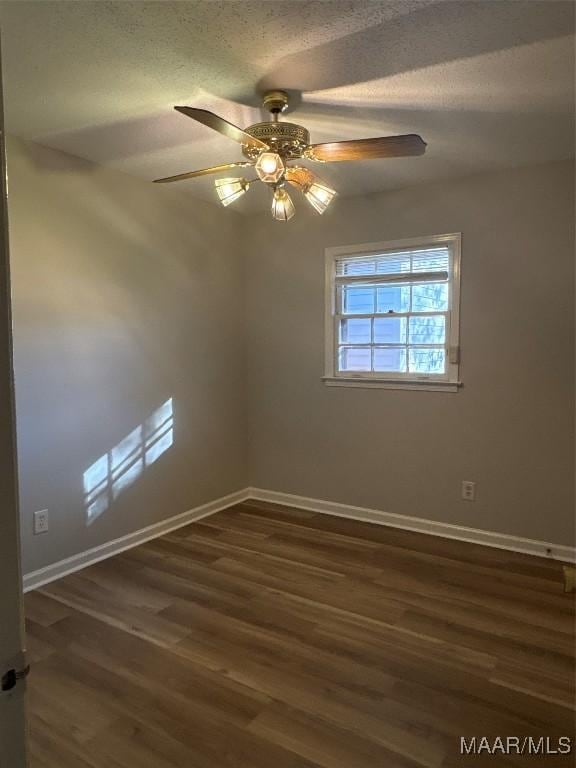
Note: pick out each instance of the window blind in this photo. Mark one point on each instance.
(422, 265)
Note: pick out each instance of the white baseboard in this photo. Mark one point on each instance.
(432, 527)
(42, 576)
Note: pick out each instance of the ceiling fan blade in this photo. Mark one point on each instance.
(368, 149)
(203, 172)
(222, 126)
(299, 177)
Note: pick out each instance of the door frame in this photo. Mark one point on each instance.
(13, 666)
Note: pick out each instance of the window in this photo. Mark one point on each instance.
(392, 314)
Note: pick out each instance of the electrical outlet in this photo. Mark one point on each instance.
(468, 490)
(41, 521)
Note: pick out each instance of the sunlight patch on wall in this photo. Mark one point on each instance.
(120, 467)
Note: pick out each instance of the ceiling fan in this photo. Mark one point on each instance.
(272, 145)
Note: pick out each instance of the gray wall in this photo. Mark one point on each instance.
(125, 294)
(510, 428)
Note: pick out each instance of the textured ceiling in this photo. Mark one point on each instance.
(487, 84)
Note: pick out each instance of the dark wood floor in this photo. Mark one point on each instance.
(268, 637)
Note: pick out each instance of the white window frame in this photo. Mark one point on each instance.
(447, 382)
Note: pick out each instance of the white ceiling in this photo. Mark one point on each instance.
(487, 84)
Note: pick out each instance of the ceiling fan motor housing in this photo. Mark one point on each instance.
(289, 140)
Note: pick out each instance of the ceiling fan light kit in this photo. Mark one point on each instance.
(229, 190)
(271, 145)
(270, 168)
(282, 205)
(319, 195)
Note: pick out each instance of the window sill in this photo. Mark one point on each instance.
(414, 384)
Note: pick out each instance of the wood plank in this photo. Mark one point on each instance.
(266, 636)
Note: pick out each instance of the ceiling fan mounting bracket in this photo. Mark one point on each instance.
(275, 101)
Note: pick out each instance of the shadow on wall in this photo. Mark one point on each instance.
(120, 467)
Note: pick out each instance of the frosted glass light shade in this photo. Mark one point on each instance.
(282, 205)
(270, 167)
(230, 189)
(319, 196)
